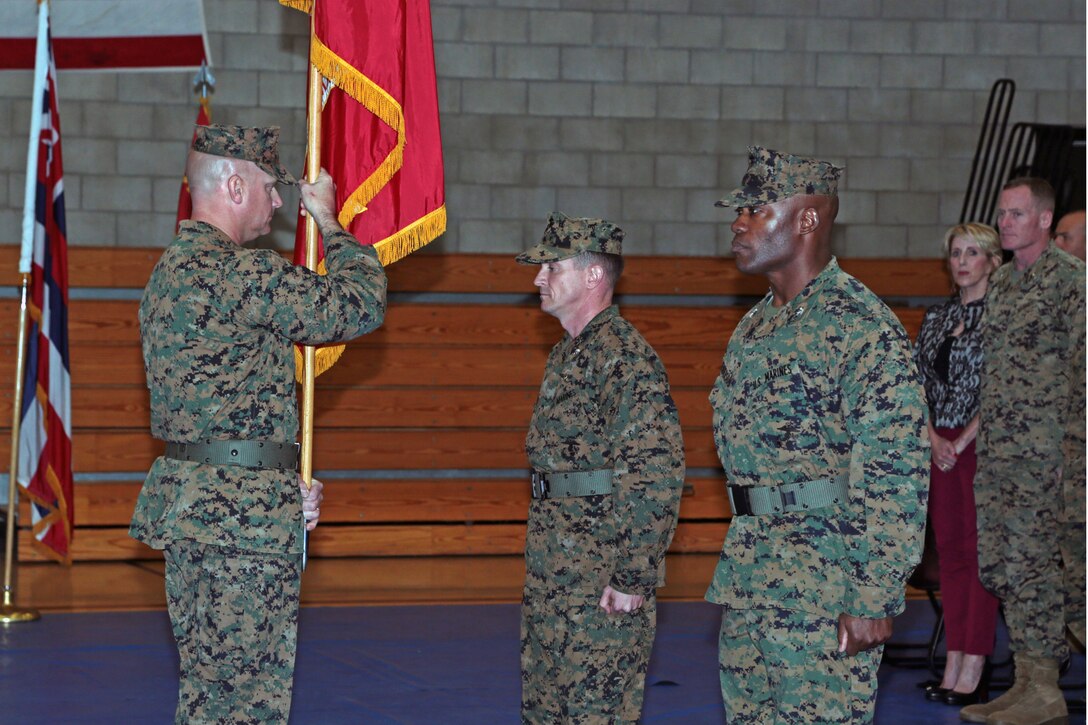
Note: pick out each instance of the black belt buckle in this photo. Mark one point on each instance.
(540, 484)
(741, 504)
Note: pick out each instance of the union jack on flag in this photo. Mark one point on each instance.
(45, 434)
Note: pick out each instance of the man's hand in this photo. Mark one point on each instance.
(614, 602)
(319, 200)
(857, 634)
(311, 501)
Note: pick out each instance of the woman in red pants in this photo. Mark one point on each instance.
(949, 356)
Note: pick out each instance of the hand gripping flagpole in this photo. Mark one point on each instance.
(9, 613)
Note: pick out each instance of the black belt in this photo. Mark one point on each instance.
(789, 497)
(571, 483)
(249, 454)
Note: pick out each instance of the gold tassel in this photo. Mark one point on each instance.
(306, 6)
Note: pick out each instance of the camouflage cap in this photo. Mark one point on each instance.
(565, 237)
(259, 145)
(773, 176)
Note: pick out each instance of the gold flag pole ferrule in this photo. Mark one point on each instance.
(313, 168)
(9, 613)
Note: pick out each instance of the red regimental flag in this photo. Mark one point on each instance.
(45, 433)
(380, 134)
(185, 200)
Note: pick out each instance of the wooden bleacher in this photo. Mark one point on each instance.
(419, 429)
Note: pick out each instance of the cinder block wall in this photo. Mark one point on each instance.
(635, 110)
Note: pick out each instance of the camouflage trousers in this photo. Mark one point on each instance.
(235, 616)
(1073, 555)
(783, 666)
(1020, 541)
(581, 665)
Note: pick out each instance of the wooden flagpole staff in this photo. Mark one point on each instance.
(313, 168)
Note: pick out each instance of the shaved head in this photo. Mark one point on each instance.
(1069, 234)
(206, 173)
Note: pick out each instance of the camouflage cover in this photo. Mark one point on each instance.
(565, 237)
(773, 176)
(259, 145)
(217, 322)
(822, 386)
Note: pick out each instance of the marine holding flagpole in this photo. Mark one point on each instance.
(225, 502)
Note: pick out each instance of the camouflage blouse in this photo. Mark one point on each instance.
(1033, 393)
(218, 322)
(821, 387)
(604, 403)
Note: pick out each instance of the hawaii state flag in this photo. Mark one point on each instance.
(380, 135)
(45, 434)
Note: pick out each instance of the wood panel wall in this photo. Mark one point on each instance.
(436, 403)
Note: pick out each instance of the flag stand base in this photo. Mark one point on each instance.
(10, 614)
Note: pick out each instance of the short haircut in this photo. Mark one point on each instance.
(612, 264)
(1041, 190)
(983, 235)
(204, 172)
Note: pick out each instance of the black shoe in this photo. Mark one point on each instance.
(928, 685)
(937, 694)
(979, 694)
(960, 699)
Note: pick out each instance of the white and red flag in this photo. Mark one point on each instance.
(115, 34)
(45, 434)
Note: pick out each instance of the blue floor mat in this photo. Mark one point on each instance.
(387, 665)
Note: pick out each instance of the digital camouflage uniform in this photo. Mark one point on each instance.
(217, 323)
(1031, 474)
(819, 388)
(604, 404)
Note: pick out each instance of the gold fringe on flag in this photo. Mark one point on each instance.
(376, 100)
(414, 236)
(306, 6)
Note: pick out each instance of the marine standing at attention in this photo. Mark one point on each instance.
(224, 502)
(820, 424)
(1030, 483)
(607, 463)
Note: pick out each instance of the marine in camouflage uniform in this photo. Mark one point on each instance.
(1031, 472)
(217, 323)
(595, 544)
(820, 424)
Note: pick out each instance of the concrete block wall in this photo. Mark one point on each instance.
(635, 110)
